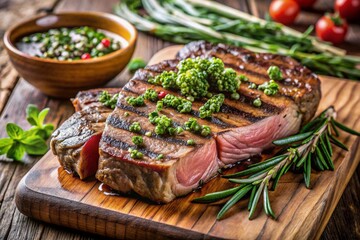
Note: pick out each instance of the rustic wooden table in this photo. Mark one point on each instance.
(16, 94)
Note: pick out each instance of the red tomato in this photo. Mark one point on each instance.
(349, 9)
(331, 28)
(306, 3)
(106, 42)
(162, 95)
(284, 11)
(85, 56)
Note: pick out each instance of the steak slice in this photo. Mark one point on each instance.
(239, 130)
(76, 141)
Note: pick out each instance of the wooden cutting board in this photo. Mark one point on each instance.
(49, 194)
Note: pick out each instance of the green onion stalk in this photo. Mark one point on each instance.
(183, 21)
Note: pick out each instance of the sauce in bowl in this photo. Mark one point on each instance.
(71, 43)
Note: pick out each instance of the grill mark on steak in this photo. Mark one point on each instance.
(124, 125)
(125, 146)
(226, 108)
(193, 113)
(267, 107)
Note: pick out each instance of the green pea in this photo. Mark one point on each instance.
(190, 142)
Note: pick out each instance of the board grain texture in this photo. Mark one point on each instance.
(50, 194)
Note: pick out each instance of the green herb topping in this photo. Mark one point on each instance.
(193, 126)
(160, 156)
(137, 140)
(135, 101)
(179, 130)
(159, 105)
(190, 142)
(167, 79)
(151, 95)
(135, 127)
(148, 133)
(275, 73)
(212, 105)
(252, 86)
(70, 43)
(106, 99)
(196, 76)
(135, 64)
(31, 141)
(180, 104)
(135, 153)
(269, 88)
(163, 124)
(257, 102)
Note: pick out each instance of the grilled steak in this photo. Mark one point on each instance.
(76, 141)
(240, 130)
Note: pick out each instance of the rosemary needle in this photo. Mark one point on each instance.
(309, 149)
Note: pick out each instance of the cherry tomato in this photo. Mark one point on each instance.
(85, 56)
(331, 28)
(105, 42)
(349, 9)
(161, 94)
(306, 3)
(284, 11)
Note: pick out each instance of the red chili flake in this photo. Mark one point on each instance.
(162, 95)
(106, 42)
(85, 56)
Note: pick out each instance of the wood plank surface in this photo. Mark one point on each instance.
(345, 222)
(48, 193)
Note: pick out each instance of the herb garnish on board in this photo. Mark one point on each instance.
(31, 141)
(310, 149)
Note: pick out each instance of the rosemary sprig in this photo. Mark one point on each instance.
(310, 149)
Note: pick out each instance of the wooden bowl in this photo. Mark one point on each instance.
(65, 78)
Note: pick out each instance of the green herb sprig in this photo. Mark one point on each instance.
(32, 141)
(310, 149)
(108, 100)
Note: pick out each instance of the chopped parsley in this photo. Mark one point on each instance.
(135, 101)
(163, 124)
(151, 95)
(106, 99)
(257, 102)
(269, 88)
(135, 64)
(212, 105)
(180, 104)
(196, 76)
(135, 127)
(135, 153)
(159, 105)
(274, 73)
(193, 126)
(137, 140)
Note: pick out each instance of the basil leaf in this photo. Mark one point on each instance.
(42, 115)
(14, 131)
(16, 151)
(5, 145)
(32, 113)
(35, 145)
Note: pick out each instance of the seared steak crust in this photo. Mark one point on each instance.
(299, 83)
(76, 141)
(239, 130)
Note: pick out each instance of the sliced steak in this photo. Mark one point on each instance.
(76, 141)
(240, 130)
